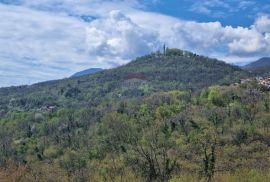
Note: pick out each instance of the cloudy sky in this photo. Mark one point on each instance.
(51, 39)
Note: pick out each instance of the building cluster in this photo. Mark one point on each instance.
(264, 81)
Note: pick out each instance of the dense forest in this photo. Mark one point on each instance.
(171, 117)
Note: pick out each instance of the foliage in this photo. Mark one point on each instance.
(169, 133)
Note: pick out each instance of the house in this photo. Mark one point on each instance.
(265, 82)
(246, 80)
(137, 76)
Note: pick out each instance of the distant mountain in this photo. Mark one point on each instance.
(87, 72)
(259, 67)
(259, 63)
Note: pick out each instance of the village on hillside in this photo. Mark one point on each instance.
(264, 81)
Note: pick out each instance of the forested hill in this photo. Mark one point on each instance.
(176, 69)
(139, 123)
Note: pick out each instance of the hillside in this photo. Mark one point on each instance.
(87, 72)
(260, 67)
(220, 134)
(137, 123)
(174, 70)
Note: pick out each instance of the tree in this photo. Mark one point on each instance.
(74, 164)
(208, 147)
(6, 149)
(154, 156)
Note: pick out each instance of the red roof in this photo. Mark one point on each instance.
(139, 76)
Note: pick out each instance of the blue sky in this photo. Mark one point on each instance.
(51, 39)
(228, 12)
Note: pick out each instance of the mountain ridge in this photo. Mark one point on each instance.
(260, 67)
(265, 61)
(87, 72)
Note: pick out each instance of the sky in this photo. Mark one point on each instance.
(52, 39)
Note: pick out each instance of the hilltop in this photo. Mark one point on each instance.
(176, 69)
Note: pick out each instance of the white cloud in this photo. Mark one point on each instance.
(262, 24)
(207, 7)
(192, 35)
(221, 8)
(31, 41)
(210, 38)
(246, 4)
(38, 43)
(118, 36)
(80, 7)
(245, 42)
